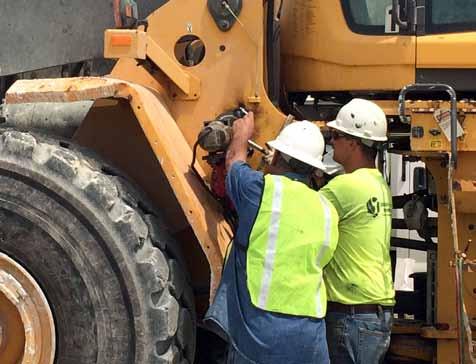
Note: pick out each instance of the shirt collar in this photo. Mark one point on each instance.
(296, 177)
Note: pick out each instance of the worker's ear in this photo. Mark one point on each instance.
(354, 144)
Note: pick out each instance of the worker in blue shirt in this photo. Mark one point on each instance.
(272, 299)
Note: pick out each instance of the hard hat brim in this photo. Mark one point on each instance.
(333, 124)
(276, 144)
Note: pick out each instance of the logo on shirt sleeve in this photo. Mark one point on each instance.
(373, 206)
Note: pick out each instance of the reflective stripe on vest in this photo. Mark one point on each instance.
(293, 238)
(321, 311)
(272, 239)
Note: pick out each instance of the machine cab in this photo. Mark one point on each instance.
(377, 46)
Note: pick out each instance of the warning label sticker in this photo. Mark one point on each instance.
(443, 118)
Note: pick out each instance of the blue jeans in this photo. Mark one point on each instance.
(234, 357)
(358, 338)
(292, 353)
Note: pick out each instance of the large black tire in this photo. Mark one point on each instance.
(103, 259)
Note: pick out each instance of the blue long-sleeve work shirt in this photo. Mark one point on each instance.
(260, 336)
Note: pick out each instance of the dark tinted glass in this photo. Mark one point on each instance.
(447, 16)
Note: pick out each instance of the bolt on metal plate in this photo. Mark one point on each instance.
(220, 11)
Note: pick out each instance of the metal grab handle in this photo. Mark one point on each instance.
(396, 15)
(434, 87)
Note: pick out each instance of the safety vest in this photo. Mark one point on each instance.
(293, 238)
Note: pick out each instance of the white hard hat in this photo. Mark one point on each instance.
(363, 119)
(330, 165)
(301, 140)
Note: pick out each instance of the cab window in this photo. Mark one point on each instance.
(366, 16)
(449, 16)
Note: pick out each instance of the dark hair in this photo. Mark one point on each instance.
(295, 165)
(300, 167)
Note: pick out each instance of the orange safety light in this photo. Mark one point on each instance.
(121, 40)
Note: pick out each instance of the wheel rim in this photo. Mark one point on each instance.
(27, 331)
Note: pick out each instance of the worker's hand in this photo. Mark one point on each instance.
(243, 128)
(242, 131)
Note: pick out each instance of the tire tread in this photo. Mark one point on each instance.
(160, 281)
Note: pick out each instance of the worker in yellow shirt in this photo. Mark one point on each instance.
(358, 278)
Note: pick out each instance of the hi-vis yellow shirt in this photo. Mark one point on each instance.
(360, 271)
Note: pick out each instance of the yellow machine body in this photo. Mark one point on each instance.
(320, 51)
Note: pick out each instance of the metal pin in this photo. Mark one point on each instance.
(258, 147)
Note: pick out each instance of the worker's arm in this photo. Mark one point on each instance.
(242, 131)
(244, 185)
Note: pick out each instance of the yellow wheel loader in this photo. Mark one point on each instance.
(116, 115)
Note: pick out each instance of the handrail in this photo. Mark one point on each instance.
(434, 87)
